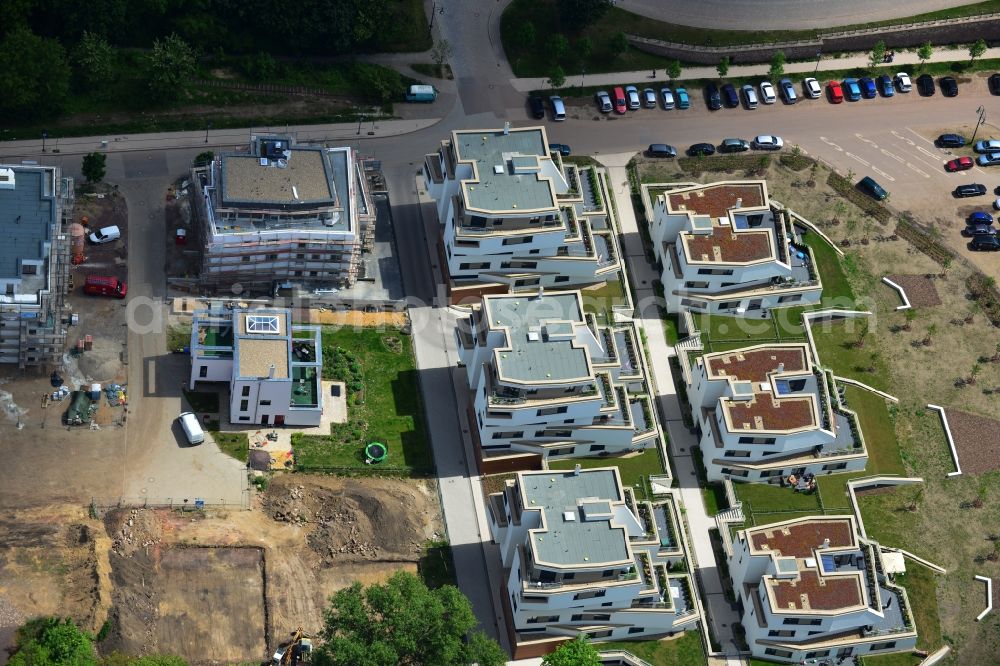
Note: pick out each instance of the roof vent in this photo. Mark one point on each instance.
(781, 367)
(506, 128)
(569, 516)
(576, 469)
(826, 542)
(739, 202)
(498, 169)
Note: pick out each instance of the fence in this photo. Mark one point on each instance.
(102, 504)
(269, 88)
(369, 470)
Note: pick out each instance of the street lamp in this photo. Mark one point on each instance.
(207, 127)
(819, 54)
(45, 135)
(582, 77)
(982, 118)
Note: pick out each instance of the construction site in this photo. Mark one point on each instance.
(213, 587)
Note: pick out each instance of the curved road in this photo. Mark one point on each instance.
(781, 14)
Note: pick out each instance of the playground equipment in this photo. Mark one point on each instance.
(375, 453)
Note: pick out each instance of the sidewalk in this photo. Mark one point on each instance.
(721, 615)
(904, 60)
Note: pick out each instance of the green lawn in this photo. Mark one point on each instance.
(687, 650)
(721, 332)
(888, 521)
(601, 300)
(921, 590)
(388, 410)
(837, 347)
(714, 496)
(896, 659)
(836, 289)
(632, 469)
(436, 565)
(766, 497)
(233, 444)
(671, 328)
(202, 401)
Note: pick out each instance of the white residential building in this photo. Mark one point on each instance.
(812, 589)
(35, 202)
(282, 215)
(766, 412)
(273, 367)
(580, 556)
(726, 248)
(547, 382)
(514, 217)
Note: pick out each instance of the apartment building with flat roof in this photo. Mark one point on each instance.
(813, 588)
(725, 247)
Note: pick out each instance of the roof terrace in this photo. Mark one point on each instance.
(757, 363)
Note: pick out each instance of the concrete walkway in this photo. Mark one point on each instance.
(720, 614)
(904, 61)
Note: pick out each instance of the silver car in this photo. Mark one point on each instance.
(667, 96)
(649, 98)
(767, 92)
(632, 95)
(749, 96)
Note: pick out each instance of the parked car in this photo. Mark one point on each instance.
(925, 85)
(985, 243)
(729, 96)
(951, 141)
(812, 88)
(873, 189)
(979, 217)
(560, 148)
(749, 96)
(733, 146)
(649, 98)
(668, 98)
(868, 90)
(969, 190)
(767, 92)
(661, 150)
(987, 146)
(788, 91)
(949, 86)
(101, 285)
(996, 204)
(558, 108)
(767, 142)
(978, 229)
(105, 235)
(994, 83)
(604, 101)
(701, 149)
(712, 97)
(885, 85)
(962, 163)
(683, 101)
(537, 107)
(835, 92)
(988, 159)
(903, 83)
(632, 95)
(852, 90)
(618, 97)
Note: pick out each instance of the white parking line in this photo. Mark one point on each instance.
(922, 138)
(868, 141)
(893, 156)
(883, 174)
(852, 155)
(831, 143)
(928, 153)
(913, 167)
(900, 136)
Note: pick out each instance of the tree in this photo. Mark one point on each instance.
(53, 641)
(577, 652)
(977, 49)
(584, 47)
(723, 67)
(877, 56)
(201, 159)
(385, 84)
(34, 78)
(777, 65)
(94, 167)
(171, 62)
(558, 47)
(526, 35)
(674, 69)
(578, 14)
(400, 622)
(925, 52)
(95, 61)
(484, 651)
(260, 67)
(557, 78)
(441, 52)
(618, 44)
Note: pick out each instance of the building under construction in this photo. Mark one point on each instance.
(35, 202)
(282, 215)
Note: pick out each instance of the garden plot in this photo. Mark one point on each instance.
(976, 440)
(920, 290)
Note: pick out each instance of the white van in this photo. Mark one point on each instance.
(192, 429)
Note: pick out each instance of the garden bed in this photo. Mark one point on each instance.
(751, 164)
(846, 189)
(924, 241)
(976, 441)
(920, 290)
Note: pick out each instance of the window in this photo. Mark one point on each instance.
(736, 454)
(834, 466)
(783, 633)
(203, 371)
(561, 278)
(271, 257)
(636, 630)
(756, 440)
(883, 646)
(729, 305)
(474, 266)
(791, 298)
(262, 324)
(542, 619)
(510, 434)
(300, 256)
(740, 473)
(246, 391)
(265, 403)
(552, 410)
(528, 599)
(771, 472)
(246, 260)
(588, 595)
(535, 251)
(774, 652)
(795, 620)
(715, 271)
(244, 418)
(244, 405)
(29, 269)
(817, 653)
(695, 285)
(518, 241)
(531, 282)
(597, 447)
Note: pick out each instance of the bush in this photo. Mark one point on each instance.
(846, 189)
(697, 165)
(796, 162)
(924, 241)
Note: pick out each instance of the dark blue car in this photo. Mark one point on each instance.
(885, 85)
(867, 88)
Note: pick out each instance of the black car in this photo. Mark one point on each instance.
(733, 146)
(978, 230)
(537, 107)
(560, 148)
(729, 96)
(701, 149)
(925, 85)
(949, 86)
(995, 84)
(712, 97)
(661, 150)
(970, 190)
(951, 141)
(985, 243)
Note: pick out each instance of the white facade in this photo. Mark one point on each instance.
(812, 589)
(580, 556)
(514, 215)
(546, 380)
(273, 369)
(726, 248)
(767, 412)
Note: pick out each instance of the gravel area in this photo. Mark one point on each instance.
(976, 441)
(919, 289)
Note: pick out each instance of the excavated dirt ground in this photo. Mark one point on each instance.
(213, 587)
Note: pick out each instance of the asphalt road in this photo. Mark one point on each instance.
(781, 14)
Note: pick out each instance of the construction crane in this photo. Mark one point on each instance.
(294, 650)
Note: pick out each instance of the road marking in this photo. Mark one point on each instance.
(922, 138)
(900, 136)
(928, 153)
(913, 167)
(883, 174)
(830, 143)
(868, 141)
(852, 155)
(893, 156)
